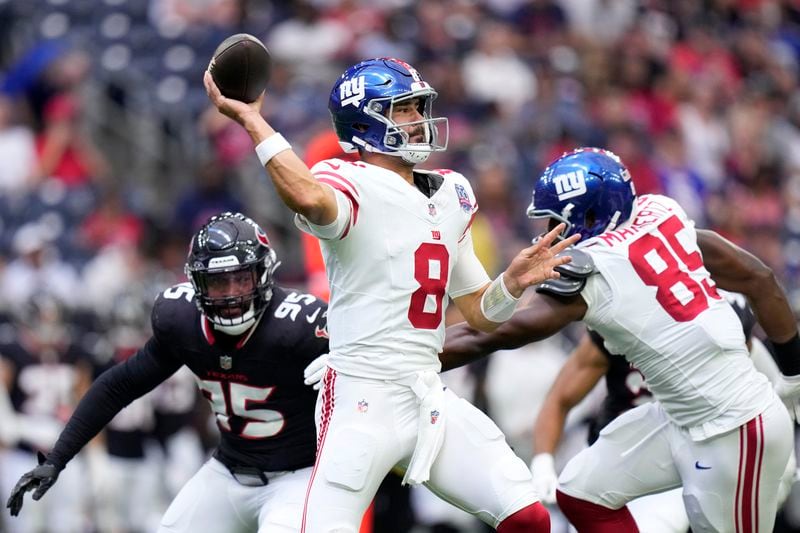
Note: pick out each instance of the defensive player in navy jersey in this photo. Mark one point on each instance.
(45, 370)
(247, 341)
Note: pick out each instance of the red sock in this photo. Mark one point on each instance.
(531, 519)
(592, 518)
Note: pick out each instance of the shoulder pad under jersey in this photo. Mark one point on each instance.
(573, 275)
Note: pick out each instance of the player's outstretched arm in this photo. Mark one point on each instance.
(583, 369)
(581, 372)
(108, 395)
(493, 304)
(544, 316)
(737, 270)
(293, 180)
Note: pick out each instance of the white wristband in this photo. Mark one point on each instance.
(497, 304)
(270, 147)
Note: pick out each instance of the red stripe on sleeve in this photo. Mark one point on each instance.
(339, 178)
(353, 201)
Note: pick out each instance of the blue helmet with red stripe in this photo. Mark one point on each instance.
(589, 189)
(362, 102)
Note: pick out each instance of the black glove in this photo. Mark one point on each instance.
(40, 478)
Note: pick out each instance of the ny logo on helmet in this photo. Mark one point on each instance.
(352, 91)
(570, 185)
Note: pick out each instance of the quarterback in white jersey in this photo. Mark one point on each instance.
(396, 243)
(394, 257)
(640, 278)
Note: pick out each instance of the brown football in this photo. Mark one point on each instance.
(241, 67)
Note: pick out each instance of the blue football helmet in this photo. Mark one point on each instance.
(361, 105)
(589, 189)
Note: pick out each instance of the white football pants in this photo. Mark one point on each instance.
(366, 426)
(730, 482)
(214, 501)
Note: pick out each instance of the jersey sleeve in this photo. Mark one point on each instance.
(109, 394)
(468, 273)
(331, 173)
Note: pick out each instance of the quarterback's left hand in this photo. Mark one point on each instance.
(788, 388)
(537, 263)
(315, 370)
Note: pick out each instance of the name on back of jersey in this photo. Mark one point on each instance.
(649, 211)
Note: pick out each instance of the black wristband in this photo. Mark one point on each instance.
(787, 355)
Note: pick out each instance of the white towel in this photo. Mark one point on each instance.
(430, 435)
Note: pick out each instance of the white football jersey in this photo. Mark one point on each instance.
(392, 256)
(654, 301)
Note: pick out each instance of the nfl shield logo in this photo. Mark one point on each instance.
(463, 198)
(225, 362)
(434, 416)
(432, 210)
(363, 406)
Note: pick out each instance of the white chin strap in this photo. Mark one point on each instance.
(413, 157)
(226, 325)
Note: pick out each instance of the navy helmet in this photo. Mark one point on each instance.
(231, 245)
(589, 189)
(361, 105)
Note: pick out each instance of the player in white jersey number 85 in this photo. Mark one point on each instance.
(717, 427)
(396, 242)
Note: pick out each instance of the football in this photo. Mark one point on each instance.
(241, 67)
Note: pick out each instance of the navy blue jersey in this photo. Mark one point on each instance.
(43, 380)
(254, 382)
(625, 386)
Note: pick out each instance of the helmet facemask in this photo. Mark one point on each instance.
(231, 267)
(234, 298)
(397, 138)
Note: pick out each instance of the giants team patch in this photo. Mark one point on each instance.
(463, 198)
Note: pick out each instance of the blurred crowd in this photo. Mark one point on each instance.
(110, 156)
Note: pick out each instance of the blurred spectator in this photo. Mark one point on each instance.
(64, 151)
(602, 22)
(174, 17)
(678, 179)
(37, 267)
(16, 151)
(212, 194)
(704, 132)
(494, 73)
(307, 40)
(110, 224)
